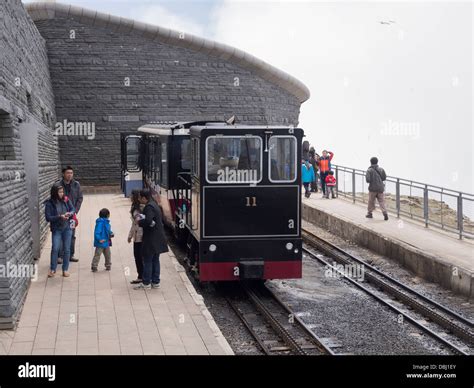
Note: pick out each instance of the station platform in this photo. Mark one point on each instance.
(429, 253)
(99, 313)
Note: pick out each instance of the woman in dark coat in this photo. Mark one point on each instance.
(59, 213)
(153, 241)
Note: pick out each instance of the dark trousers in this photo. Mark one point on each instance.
(314, 184)
(307, 192)
(323, 176)
(151, 269)
(72, 250)
(137, 253)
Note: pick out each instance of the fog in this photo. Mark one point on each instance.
(387, 79)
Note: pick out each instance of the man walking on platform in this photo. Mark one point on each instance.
(375, 177)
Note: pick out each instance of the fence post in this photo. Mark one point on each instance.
(337, 182)
(397, 197)
(353, 186)
(425, 205)
(460, 216)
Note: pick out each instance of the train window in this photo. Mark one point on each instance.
(195, 157)
(156, 162)
(150, 158)
(234, 159)
(133, 151)
(282, 159)
(186, 154)
(164, 164)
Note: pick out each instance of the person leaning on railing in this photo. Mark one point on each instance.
(375, 177)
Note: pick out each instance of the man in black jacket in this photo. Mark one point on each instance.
(153, 242)
(375, 177)
(72, 189)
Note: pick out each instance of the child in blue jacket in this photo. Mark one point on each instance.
(102, 240)
(307, 176)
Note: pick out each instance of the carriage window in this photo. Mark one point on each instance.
(156, 161)
(195, 157)
(164, 164)
(133, 151)
(282, 158)
(234, 159)
(186, 154)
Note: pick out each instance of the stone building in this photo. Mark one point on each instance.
(72, 80)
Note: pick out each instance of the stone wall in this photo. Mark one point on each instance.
(26, 96)
(119, 81)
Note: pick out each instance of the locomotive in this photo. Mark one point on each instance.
(230, 192)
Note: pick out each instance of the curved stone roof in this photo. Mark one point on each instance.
(47, 10)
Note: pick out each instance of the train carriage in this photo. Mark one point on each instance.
(231, 193)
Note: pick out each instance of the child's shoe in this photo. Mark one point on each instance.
(107, 268)
(93, 269)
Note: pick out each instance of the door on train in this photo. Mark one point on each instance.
(131, 171)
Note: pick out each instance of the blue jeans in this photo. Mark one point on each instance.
(61, 237)
(151, 269)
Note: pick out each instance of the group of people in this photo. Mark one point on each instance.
(316, 168)
(146, 232)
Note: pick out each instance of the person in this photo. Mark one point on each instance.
(307, 176)
(375, 177)
(136, 235)
(59, 213)
(102, 240)
(324, 168)
(153, 242)
(313, 159)
(330, 184)
(72, 189)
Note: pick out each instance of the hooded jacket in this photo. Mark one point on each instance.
(375, 176)
(307, 173)
(102, 231)
(53, 211)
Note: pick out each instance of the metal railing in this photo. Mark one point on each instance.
(183, 198)
(435, 206)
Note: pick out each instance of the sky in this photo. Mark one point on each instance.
(387, 79)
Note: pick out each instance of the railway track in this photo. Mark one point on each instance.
(445, 318)
(276, 329)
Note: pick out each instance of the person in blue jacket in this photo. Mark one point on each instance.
(59, 212)
(102, 240)
(307, 176)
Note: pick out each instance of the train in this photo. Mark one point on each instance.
(230, 193)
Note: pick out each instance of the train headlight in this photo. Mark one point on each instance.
(289, 246)
(212, 247)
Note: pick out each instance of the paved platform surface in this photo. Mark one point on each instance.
(100, 313)
(446, 247)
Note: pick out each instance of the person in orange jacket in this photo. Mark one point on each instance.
(324, 168)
